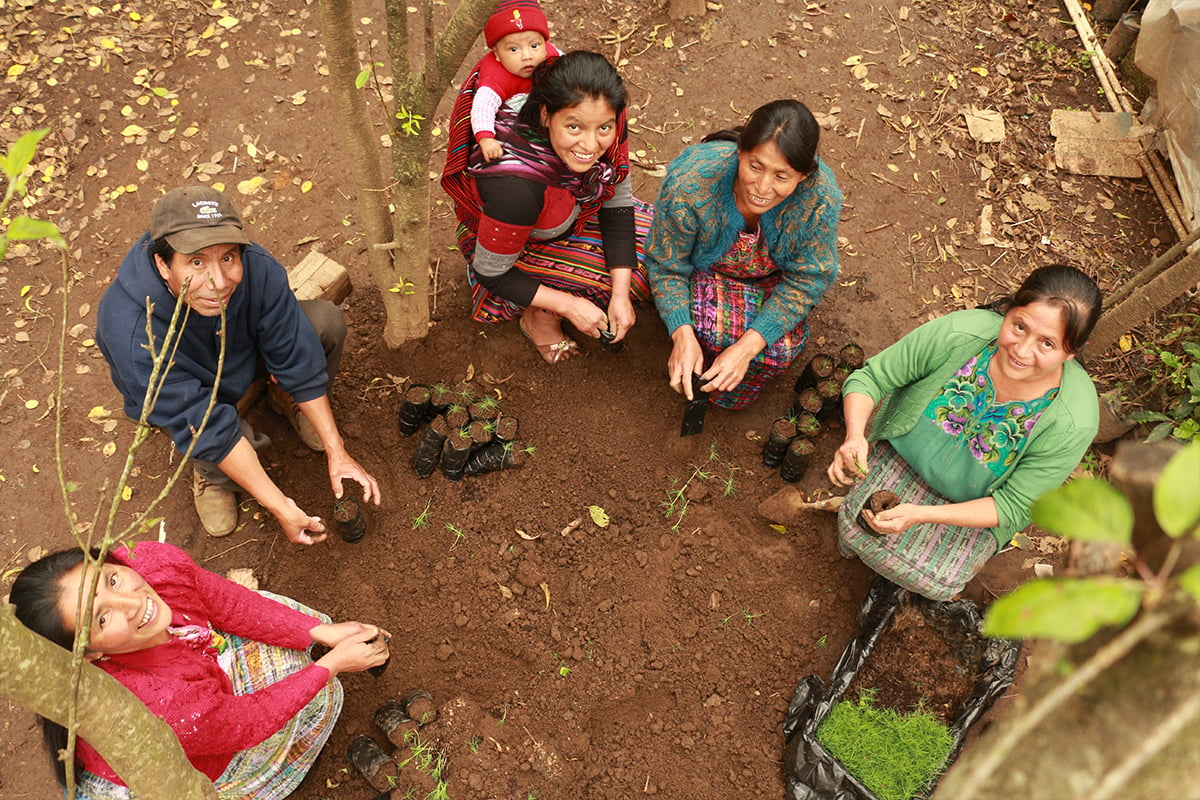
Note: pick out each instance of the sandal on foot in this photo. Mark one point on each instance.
(554, 352)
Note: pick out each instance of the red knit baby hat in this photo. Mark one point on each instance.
(515, 16)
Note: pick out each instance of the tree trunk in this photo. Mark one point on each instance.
(362, 147)
(422, 67)
(139, 746)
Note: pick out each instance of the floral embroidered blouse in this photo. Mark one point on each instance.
(965, 440)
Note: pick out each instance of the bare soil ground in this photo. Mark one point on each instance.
(654, 656)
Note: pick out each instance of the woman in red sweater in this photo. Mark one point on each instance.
(226, 667)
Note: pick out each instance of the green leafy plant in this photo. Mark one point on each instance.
(22, 227)
(563, 670)
(360, 80)
(1178, 375)
(427, 759)
(410, 122)
(488, 405)
(749, 616)
(894, 755)
(458, 534)
(1087, 509)
(402, 286)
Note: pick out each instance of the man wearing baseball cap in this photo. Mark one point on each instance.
(197, 248)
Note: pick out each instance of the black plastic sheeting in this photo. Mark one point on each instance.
(811, 773)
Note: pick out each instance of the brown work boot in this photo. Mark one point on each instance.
(283, 404)
(216, 507)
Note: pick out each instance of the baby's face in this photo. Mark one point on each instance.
(520, 52)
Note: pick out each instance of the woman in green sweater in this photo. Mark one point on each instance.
(982, 412)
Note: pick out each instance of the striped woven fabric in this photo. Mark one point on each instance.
(725, 301)
(273, 769)
(935, 561)
(574, 264)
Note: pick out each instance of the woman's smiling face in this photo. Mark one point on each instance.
(764, 180)
(581, 133)
(128, 614)
(1030, 346)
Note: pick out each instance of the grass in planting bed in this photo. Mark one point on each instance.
(894, 755)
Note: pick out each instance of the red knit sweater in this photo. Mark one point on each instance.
(185, 686)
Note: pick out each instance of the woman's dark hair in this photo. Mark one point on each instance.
(1063, 286)
(567, 81)
(35, 595)
(787, 123)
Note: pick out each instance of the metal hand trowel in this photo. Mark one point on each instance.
(694, 410)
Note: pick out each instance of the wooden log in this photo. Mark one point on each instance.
(318, 277)
(1144, 301)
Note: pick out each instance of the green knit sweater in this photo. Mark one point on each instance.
(913, 370)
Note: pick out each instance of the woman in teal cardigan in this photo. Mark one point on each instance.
(982, 412)
(743, 245)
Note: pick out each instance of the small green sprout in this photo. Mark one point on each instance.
(422, 519)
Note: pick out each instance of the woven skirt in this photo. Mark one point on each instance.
(723, 307)
(935, 561)
(273, 769)
(574, 265)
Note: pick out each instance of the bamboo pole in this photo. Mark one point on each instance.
(1150, 162)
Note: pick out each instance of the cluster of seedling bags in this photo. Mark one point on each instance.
(818, 402)
(465, 432)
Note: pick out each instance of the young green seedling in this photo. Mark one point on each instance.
(422, 519)
(750, 617)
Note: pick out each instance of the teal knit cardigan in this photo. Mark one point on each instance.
(696, 221)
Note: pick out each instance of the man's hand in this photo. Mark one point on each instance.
(343, 467)
(298, 526)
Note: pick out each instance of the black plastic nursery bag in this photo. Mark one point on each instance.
(811, 773)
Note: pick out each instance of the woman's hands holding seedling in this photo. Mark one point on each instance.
(849, 461)
(356, 646)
